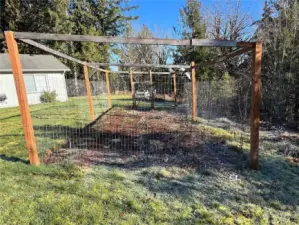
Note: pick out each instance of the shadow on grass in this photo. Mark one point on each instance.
(220, 173)
(159, 105)
(32, 112)
(163, 140)
(13, 159)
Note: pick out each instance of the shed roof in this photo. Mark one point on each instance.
(34, 63)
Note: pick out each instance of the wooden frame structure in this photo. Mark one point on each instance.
(28, 37)
(194, 95)
(166, 66)
(88, 92)
(151, 73)
(22, 97)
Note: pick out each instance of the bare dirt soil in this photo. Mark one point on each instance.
(133, 138)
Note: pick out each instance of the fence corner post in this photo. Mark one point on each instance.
(152, 95)
(108, 89)
(194, 97)
(16, 66)
(174, 87)
(88, 92)
(132, 89)
(255, 104)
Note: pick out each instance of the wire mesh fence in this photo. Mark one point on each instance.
(55, 122)
(224, 108)
(122, 134)
(148, 134)
(158, 131)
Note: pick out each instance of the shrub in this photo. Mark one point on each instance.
(48, 96)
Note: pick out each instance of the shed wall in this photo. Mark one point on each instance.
(7, 87)
(55, 81)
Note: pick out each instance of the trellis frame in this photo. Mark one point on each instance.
(151, 73)
(27, 37)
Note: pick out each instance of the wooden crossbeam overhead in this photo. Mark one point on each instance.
(243, 47)
(232, 54)
(244, 44)
(167, 66)
(100, 39)
(213, 43)
(129, 40)
(57, 53)
(140, 72)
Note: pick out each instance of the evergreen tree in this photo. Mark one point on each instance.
(191, 26)
(103, 17)
(278, 29)
(91, 17)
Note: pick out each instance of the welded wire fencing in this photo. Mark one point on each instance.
(223, 107)
(149, 125)
(123, 133)
(58, 118)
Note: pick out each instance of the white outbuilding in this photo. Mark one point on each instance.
(41, 73)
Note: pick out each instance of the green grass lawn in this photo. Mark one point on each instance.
(212, 194)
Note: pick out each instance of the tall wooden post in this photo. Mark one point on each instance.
(132, 89)
(22, 97)
(255, 104)
(194, 97)
(174, 86)
(108, 89)
(152, 96)
(88, 92)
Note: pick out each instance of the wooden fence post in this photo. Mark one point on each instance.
(152, 96)
(88, 92)
(108, 89)
(132, 89)
(255, 104)
(22, 97)
(194, 98)
(174, 86)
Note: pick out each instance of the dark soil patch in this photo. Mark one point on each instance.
(133, 138)
(129, 138)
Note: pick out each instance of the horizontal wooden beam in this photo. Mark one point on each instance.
(57, 53)
(232, 54)
(140, 72)
(96, 65)
(131, 40)
(242, 44)
(100, 39)
(167, 66)
(213, 43)
(155, 73)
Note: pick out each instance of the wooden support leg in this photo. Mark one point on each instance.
(88, 91)
(132, 89)
(255, 104)
(108, 89)
(152, 96)
(22, 97)
(174, 87)
(194, 97)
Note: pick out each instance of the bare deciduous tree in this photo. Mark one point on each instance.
(144, 54)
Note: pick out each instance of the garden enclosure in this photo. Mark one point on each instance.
(123, 129)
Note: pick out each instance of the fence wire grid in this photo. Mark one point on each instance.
(140, 136)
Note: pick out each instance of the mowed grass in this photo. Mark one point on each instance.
(68, 194)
